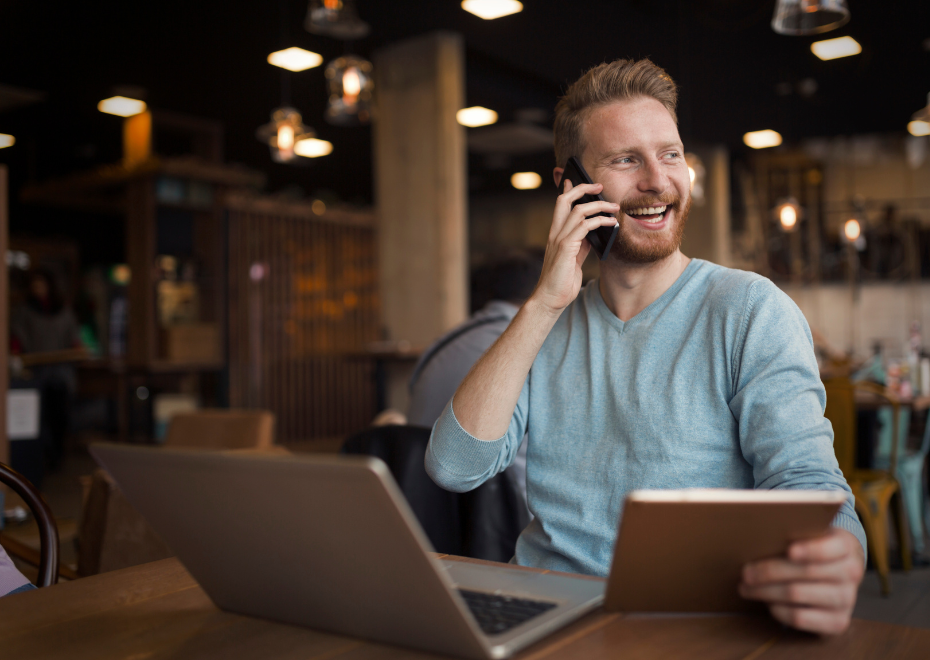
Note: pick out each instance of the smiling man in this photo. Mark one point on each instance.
(666, 372)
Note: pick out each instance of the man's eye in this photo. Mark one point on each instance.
(625, 159)
(672, 154)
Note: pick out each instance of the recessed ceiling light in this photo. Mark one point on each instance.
(526, 180)
(916, 128)
(121, 106)
(762, 139)
(295, 59)
(831, 49)
(475, 116)
(490, 9)
(9, 140)
(313, 148)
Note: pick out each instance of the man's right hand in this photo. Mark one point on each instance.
(567, 248)
(486, 399)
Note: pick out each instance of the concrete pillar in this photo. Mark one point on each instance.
(708, 232)
(420, 172)
(420, 161)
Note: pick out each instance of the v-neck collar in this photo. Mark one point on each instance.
(598, 300)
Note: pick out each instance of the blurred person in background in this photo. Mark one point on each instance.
(11, 580)
(498, 291)
(43, 324)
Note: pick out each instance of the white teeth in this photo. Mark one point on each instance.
(651, 210)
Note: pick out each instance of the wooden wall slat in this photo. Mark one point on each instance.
(311, 335)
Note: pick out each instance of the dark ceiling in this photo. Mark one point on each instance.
(207, 58)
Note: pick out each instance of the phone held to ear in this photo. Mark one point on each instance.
(600, 238)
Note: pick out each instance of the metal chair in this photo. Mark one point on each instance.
(47, 560)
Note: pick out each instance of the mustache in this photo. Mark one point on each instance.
(670, 199)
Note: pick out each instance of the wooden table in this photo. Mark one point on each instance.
(157, 611)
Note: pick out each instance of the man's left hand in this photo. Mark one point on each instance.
(815, 587)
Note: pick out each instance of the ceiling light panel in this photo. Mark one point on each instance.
(121, 106)
(832, 49)
(6, 140)
(313, 148)
(917, 128)
(475, 116)
(762, 139)
(491, 9)
(526, 180)
(295, 59)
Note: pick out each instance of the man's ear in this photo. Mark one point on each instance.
(557, 176)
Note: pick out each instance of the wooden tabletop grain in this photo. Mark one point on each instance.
(157, 611)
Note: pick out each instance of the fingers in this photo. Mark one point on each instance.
(824, 622)
(840, 596)
(832, 546)
(563, 204)
(845, 569)
(579, 224)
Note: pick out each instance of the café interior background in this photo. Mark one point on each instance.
(219, 250)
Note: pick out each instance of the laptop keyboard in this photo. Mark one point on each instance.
(497, 614)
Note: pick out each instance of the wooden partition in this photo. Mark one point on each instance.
(303, 307)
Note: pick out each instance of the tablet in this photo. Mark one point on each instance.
(684, 550)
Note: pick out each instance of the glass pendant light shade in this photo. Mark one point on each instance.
(350, 86)
(285, 130)
(800, 17)
(335, 18)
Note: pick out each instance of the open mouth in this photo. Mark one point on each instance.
(649, 213)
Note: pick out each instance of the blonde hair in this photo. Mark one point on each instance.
(606, 83)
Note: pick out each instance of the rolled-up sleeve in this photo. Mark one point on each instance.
(458, 461)
(779, 402)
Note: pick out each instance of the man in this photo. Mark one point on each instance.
(666, 372)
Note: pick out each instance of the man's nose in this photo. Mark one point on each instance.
(653, 179)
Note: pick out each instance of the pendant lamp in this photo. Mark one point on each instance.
(285, 130)
(335, 18)
(802, 17)
(350, 86)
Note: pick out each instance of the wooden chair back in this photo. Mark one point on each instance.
(113, 534)
(841, 411)
(222, 429)
(48, 530)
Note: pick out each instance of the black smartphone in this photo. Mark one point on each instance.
(600, 238)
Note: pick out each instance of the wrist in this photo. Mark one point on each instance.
(540, 311)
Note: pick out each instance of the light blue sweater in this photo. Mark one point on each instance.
(714, 385)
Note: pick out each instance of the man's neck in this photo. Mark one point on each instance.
(628, 289)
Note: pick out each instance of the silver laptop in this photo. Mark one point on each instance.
(329, 542)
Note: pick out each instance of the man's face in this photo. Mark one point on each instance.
(634, 150)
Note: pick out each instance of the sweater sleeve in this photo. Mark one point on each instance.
(10, 578)
(458, 461)
(779, 402)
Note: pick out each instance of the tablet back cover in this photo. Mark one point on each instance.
(687, 556)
